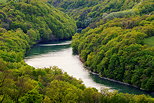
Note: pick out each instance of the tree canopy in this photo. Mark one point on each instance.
(118, 50)
(118, 47)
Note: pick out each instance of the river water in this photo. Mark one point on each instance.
(60, 54)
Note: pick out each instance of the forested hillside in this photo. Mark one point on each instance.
(120, 45)
(103, 44)
(37, 20)
(24, 23)
(88, 12)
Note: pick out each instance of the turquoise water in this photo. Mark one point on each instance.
(60, 54)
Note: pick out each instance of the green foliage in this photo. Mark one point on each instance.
(32, 96)
(3, 0)
(149, 41)
(60, 91)
(26, 22)
(72, 4)
(88, 12)
(117, 50)
(39, 20)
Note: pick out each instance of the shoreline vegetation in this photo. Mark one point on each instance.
(54, 43)
(119, 46)
(22, 23)
(123, 83)
(102, 49)
(112, 80)
(133, 21)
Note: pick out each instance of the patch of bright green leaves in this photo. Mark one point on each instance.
(149, 41)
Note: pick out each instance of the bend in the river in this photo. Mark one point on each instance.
(60, 54)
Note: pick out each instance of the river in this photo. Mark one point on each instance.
(60, 54)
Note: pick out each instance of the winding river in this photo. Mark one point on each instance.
(60, 54)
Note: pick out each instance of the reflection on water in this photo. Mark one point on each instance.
(45, 48)
(60, 54)
(117, 86)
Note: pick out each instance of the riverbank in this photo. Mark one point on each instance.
(60, 54)
(119, 82)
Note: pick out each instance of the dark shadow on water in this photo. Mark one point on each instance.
(45, 48)
(117, 86)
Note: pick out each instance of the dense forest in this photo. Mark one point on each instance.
(24, 23)
(118, 41)
(119, 46)
(88, 12)
(37, 19)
